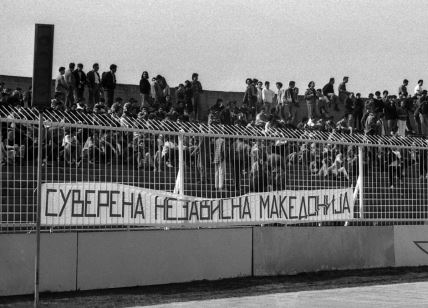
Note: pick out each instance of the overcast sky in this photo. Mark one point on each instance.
(376, 43)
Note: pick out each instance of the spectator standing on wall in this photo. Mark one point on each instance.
(358, 111)
(310, 97)
(259, 89)
(279, 102)
(250, 97)
(166, 93)
(28, 96)
(328, 92)
(196, 92)
(267, 96)
(61, 84)
(71, 82)
(188, 96)
(390, 113)
(343, 92)
(80, 81)
(109, 84)
(145, 90)
(423, 112)
(419, 88)
(94, 85)
(402, 90)
(290, 101)
(349, 110)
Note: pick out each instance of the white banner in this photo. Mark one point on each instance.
(89, 203)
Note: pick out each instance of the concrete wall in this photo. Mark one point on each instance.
(122, 259)
(118, 259)
(57, 263)
(411, 245)
(96, 260)
(285, 251)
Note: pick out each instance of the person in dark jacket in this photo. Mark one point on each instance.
(109, 84)
(80, 81)
(328, 92)
(196, 92)
(357, 113)
(188, 96)
(93, 81)
(145, 90)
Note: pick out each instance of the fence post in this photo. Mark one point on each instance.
(39, 208)
(181, 164)
(361, 176)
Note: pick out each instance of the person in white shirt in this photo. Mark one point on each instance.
(60, 84)
(267, 97)
(279, 100)
(419, 88)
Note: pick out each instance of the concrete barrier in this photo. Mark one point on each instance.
(57, 263)
(124, 259)
(411, 245)
(284, 251)
(97, 260)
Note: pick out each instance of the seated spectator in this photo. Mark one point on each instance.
(215, 112)
(180, 98)
(261, 118)
(302, 124)
(371, 125)
(188, 99)
(72, 148)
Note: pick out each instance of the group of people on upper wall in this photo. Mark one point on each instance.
(380, 114)
(155, 93)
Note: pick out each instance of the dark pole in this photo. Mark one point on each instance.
(39, 209)
(42, 82)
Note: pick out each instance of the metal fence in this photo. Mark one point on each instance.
(92, 172)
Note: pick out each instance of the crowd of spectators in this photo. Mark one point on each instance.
(264, 163)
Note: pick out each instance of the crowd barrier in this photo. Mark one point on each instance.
(91, 172)
(179, 187)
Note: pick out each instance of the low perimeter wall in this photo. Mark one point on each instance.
(96, 260)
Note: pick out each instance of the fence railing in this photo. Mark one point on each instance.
(105, 173)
